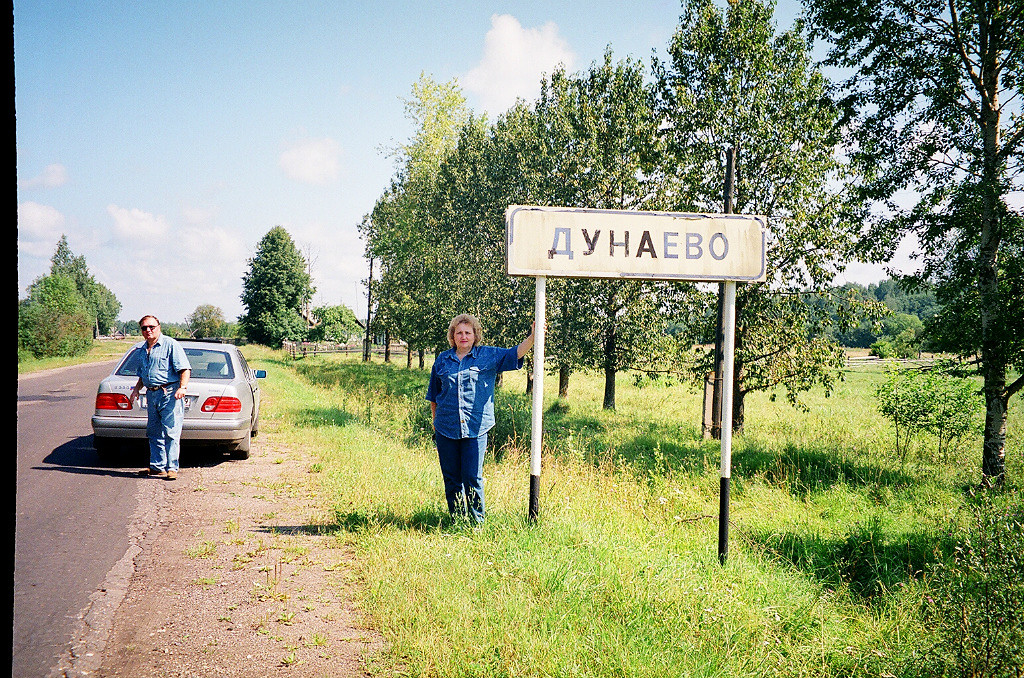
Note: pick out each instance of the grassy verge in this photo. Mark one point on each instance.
(100, 351)
(830, 536)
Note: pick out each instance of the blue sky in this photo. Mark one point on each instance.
(165, 139)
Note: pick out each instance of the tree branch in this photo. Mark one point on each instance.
(1012, 389)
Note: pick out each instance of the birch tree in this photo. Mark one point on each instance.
(934, 105)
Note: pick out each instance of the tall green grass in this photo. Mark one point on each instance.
(831, 537)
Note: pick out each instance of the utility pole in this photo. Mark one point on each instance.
(724, 361)
(369, 305)
(713, 404)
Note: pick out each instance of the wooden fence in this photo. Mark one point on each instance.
(301, 349)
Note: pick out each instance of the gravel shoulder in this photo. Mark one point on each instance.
(228, 575)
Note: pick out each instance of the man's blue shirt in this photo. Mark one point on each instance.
(464, 389)
(161, 364)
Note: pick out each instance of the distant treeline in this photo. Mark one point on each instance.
(910, 313)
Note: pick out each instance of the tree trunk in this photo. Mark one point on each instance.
(609, 387)
(609, 355)
(387, 346)
(408, 357)
(738, 399)
(609, 370)
(993, 358)
(421, 358)
(563, 381)
(529, 383)
(739, 393)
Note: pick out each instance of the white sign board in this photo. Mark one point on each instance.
(590, 243)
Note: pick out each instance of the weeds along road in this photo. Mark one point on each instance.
(73, 515)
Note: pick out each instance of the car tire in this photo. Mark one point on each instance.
(241, 450)
(256, 426)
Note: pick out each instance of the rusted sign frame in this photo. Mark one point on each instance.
(568, 257)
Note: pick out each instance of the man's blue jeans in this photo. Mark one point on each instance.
(462, 467)
(163, 428)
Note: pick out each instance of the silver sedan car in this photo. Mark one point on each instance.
(222, 400)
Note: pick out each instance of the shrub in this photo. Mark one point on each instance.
(882, 349)
(976, 601)
(54, 320)
(940, 401)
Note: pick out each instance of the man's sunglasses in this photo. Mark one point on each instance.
(149, 327)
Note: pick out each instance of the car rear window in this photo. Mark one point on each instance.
(129, 367)
(210, 364)
(206, 364)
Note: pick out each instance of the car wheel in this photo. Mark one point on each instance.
(256, 426)
(241, 450)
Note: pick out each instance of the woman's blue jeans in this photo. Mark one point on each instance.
(462, 467)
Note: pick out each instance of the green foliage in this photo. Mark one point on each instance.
(732, 82)
(975, 606)
(600, 134)
(206, 321)
(415, 268)
(54, 320)
(940, 148)
(101, 304)
(335, 323)
(940, 401)
(274, 291)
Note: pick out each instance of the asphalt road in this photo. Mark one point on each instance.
(72, 510)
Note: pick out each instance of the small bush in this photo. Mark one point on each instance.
(940, 401)
(976, 601)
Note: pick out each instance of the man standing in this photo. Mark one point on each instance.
(164, 370)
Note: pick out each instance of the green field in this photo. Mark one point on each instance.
(832, 540)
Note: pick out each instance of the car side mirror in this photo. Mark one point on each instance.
(260, 374)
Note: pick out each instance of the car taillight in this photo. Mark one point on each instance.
(112, 401)
(222, 404)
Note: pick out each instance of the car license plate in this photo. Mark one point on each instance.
(189, 400)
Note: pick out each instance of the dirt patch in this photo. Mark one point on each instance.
(234, 578)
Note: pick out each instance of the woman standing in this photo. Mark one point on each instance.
(461, 397)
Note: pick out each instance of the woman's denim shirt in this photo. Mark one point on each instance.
(464, 389)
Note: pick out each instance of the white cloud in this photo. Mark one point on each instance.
(52, 176)
(198, 215)
(214, 248)
(514, 60)
(311, 161)
(39, 228)
(39, 221)
(134, 224)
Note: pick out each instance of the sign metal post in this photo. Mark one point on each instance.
(728, 356)
(537, 427)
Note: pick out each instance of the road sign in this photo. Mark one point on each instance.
(592, 243)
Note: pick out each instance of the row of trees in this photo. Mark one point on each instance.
(610, 137)
(65, 309)
(825, 163)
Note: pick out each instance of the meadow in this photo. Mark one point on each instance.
(835, 548)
